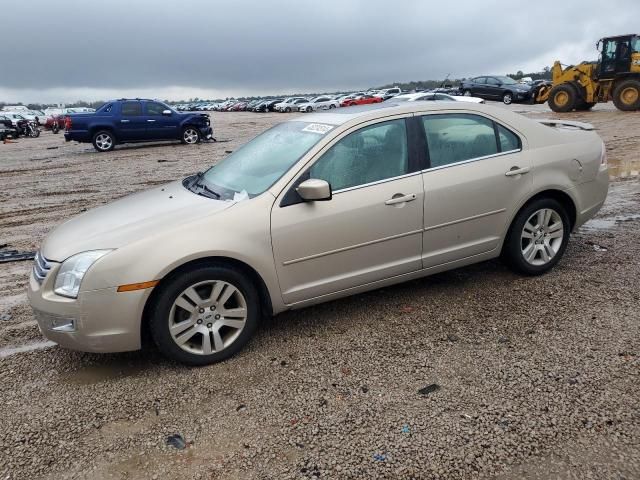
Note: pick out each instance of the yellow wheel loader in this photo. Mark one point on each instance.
(616, 76)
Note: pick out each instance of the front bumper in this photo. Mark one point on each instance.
(97, 321)
(206, 132)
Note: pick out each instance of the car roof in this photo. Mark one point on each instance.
(363, 113)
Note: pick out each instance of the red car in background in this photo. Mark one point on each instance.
(48, 125)
(360, 100)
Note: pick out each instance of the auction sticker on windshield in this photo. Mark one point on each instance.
(320, 128)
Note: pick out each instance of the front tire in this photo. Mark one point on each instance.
(190, 135)
(104, 141)
(205, 315)
(537, 237)
(626, 95)
(507, 98)
(563, 98)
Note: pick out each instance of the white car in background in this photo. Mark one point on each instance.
(431, 96)
(388, 93)
(14, 117)
(25, 114)
(291, 104)
(14, 108)
(318, 103)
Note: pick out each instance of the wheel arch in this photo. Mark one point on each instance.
(97, 128)
(559, 195)
(252, 274)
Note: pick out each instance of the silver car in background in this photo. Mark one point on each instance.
(316, 208)
(291, 104)
(318, 103)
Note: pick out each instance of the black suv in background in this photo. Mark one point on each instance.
(496, 87)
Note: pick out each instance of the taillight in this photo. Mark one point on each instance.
(67, 123)
(603, 155)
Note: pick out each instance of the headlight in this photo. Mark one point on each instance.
(73, 270)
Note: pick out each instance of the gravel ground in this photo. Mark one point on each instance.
(538, 378)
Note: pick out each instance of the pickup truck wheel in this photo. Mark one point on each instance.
(104, 141)
(190, 136)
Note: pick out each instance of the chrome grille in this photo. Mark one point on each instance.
(40, 267)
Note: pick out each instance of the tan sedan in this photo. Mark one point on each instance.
(314, 209)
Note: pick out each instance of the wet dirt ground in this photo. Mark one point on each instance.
(539, 377)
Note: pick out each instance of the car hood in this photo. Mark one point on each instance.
(129, 219)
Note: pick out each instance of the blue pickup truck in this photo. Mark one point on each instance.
(135, 120)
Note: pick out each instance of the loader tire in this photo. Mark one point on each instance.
(563, 98)
(626, 95)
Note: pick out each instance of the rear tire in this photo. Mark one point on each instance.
(104, 141)
(288, 109)
(191, 322)
(626, 95)
(537, 238)
(563, 98)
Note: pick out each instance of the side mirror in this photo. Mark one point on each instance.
(166, 112)
(314, 190)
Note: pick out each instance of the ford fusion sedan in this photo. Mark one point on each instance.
(316, 208)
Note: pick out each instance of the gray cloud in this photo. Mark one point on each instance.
(245, 46)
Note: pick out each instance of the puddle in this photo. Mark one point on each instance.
(102, 373)
(8, 351)
(609, 223)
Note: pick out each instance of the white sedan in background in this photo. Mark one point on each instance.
(319, 103)
(431, 96)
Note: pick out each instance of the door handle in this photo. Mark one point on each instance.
(124, 121)
(517, 171)
(150, 120)
(400, 198)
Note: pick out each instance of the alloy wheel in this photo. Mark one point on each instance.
(542, 237)
(207, 317)
(190, 136)
(104, 141)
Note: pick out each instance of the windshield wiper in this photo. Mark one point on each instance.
(198, 183)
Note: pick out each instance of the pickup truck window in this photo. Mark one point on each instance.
(131, 109)
(154, 108)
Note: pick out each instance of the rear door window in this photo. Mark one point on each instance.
(131, 109)
(453, 138)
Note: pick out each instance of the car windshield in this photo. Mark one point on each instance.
(257, 165)
(506, 80)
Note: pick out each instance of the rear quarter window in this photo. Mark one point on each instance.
(509, 141)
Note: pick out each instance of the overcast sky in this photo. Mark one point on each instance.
(82, 49)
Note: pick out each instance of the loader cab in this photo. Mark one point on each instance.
(616, 55)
